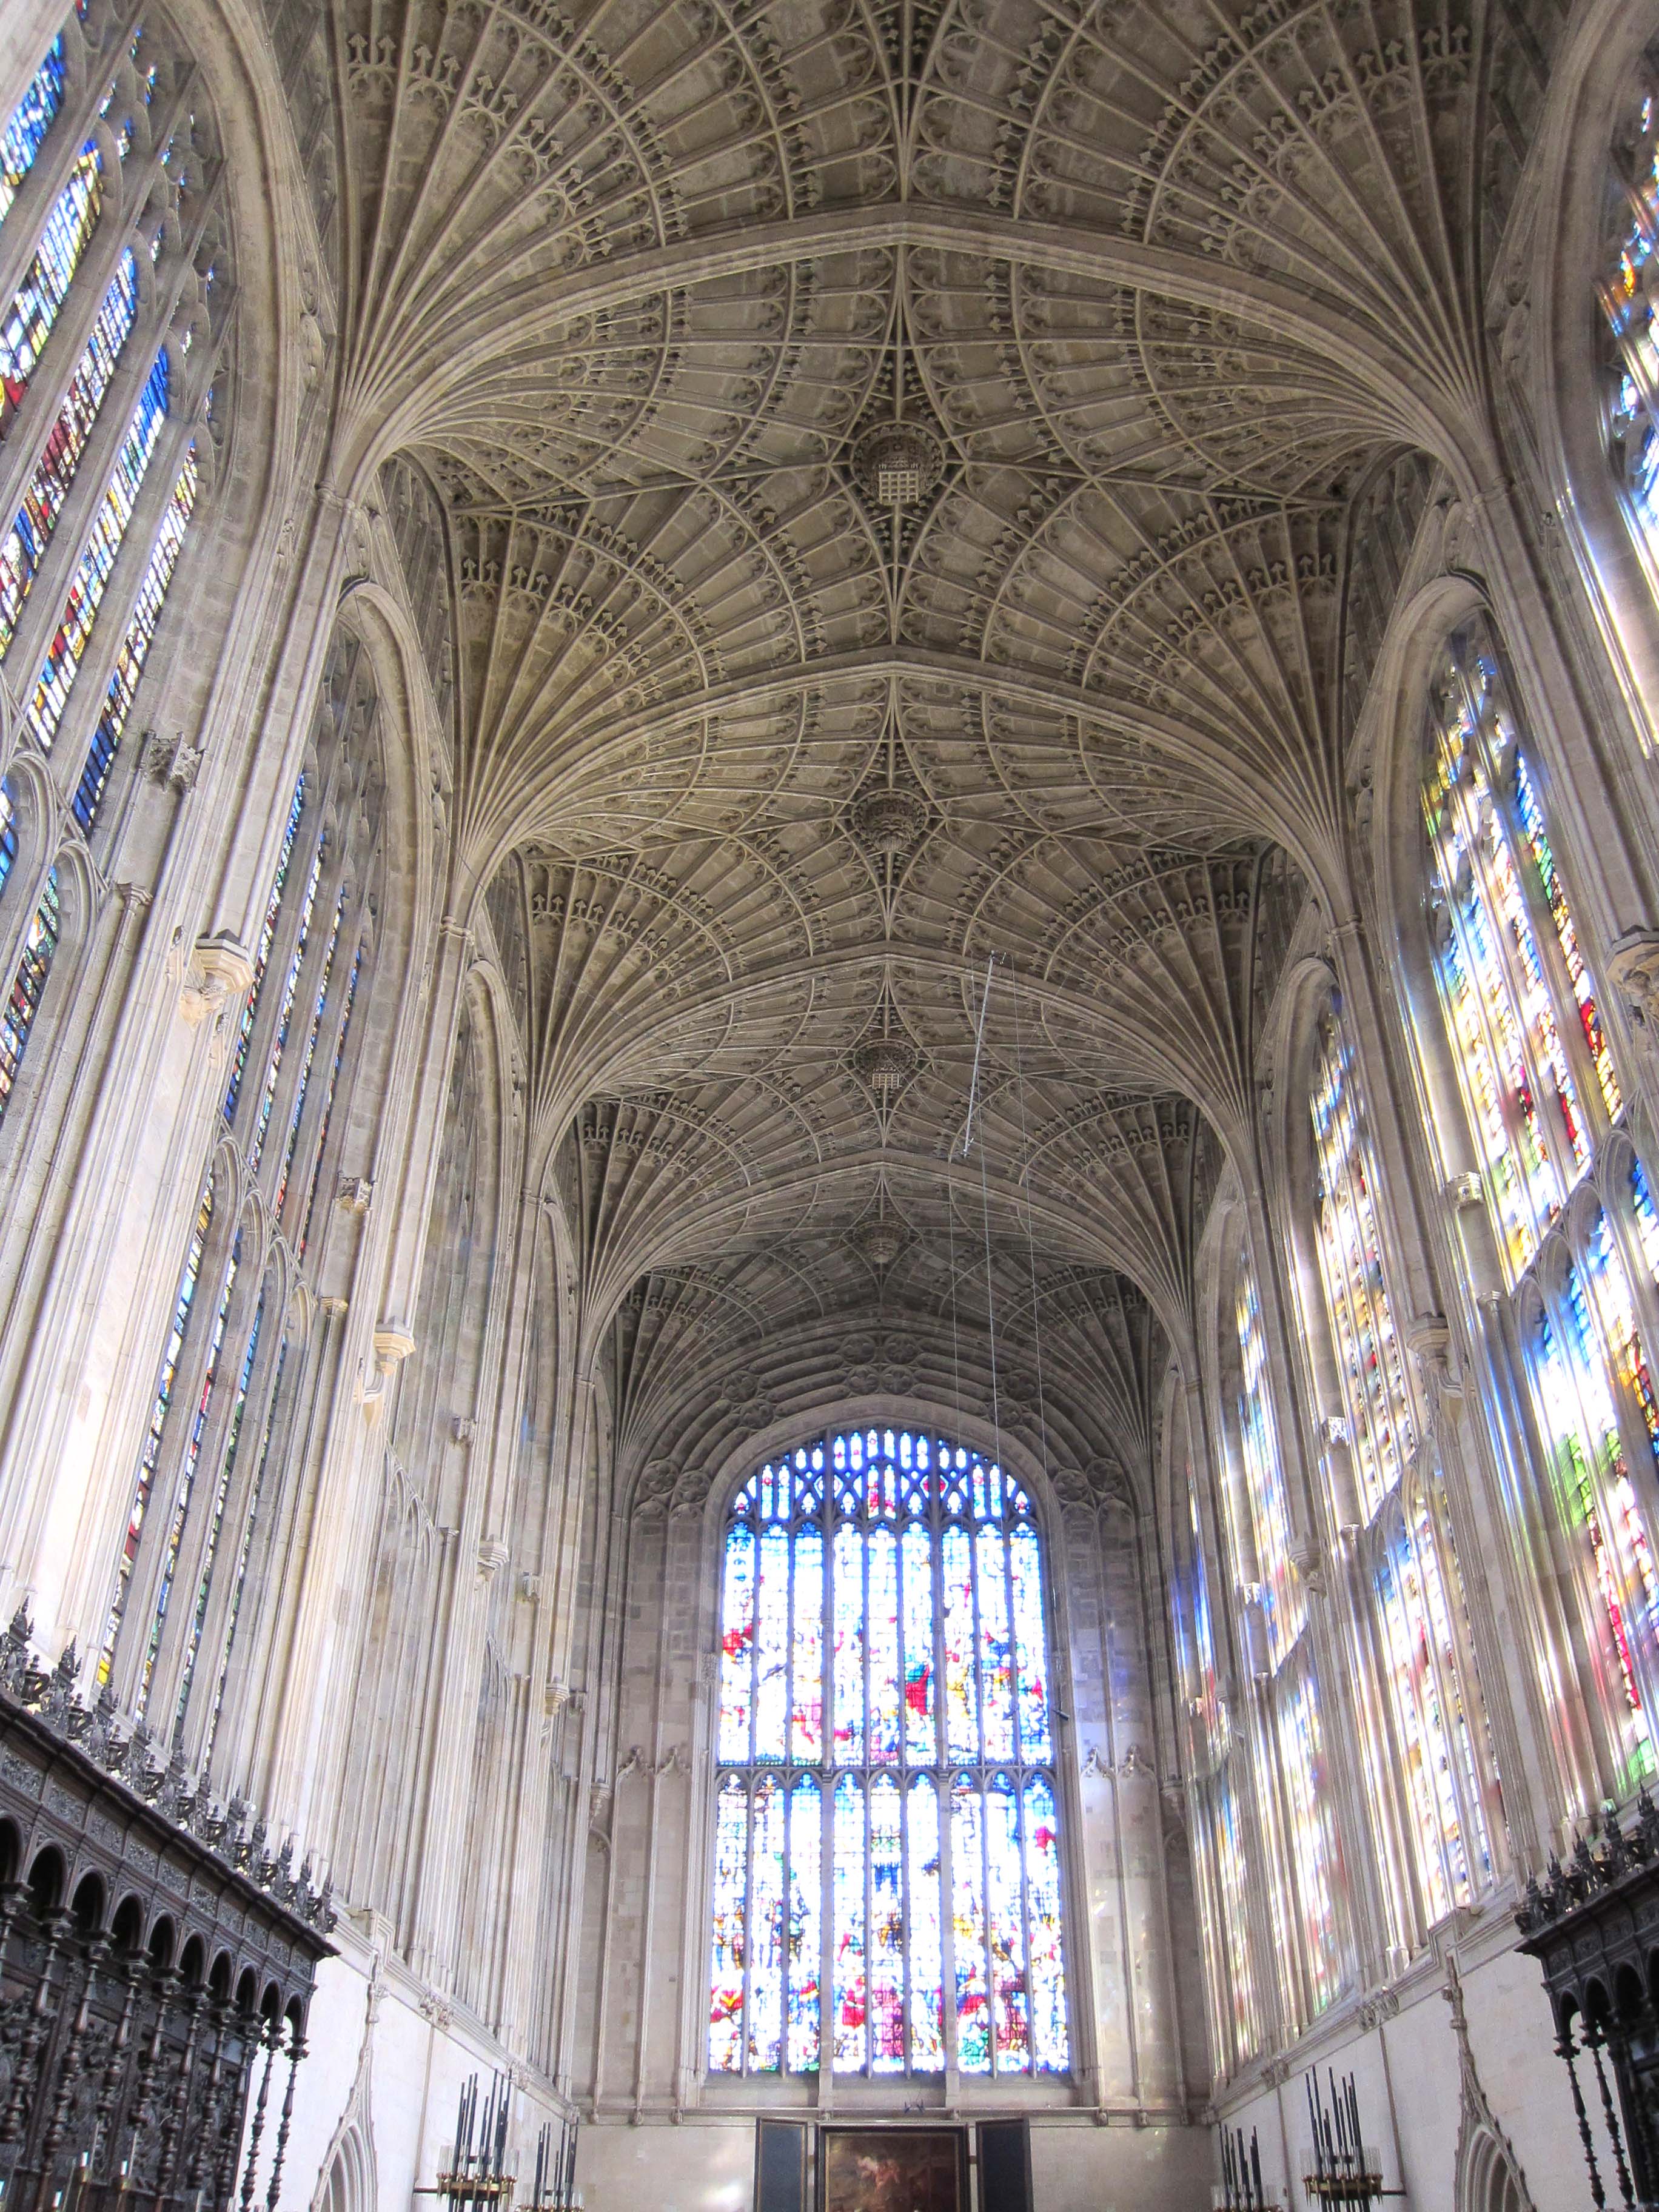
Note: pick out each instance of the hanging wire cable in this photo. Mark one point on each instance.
(985, 1202)
(1031, 1233)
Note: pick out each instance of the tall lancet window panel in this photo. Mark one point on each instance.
(1629, 289)
(111, 223)
(1544, 1114)
(887, 1886)
(1432, 1749)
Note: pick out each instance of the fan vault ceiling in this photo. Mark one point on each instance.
(763, 769)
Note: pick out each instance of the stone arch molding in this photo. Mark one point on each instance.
(1487, 2175)
(348, 2179)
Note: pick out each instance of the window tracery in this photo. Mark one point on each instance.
(1299, 1843)
(886, 1867)
(1431, 1748)
(1570, 1207)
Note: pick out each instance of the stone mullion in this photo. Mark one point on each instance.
(331, 878)
(607, 1550)
(255, 1672)
(387, 1626)
(523, 1854)
(238, 1504)
(481, 1555)
(166, 1676)
(396, 1856)
(423, 1141)
(1132, 1693)
(148, 1566)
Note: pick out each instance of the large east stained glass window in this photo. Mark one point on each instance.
(887, 1877)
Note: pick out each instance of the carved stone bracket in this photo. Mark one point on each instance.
(171, 760)
(393, 1346)
(221, 970)
(1632, 967)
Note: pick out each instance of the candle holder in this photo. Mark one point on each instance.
(1338, 2166)
(478, 2189)
(476, 2175)
(1240, 2188)
(1358, 2182)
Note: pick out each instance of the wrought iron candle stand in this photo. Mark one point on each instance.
(1339, 2167)
(1241, 2188)
(478, 2175)
(555, 2170)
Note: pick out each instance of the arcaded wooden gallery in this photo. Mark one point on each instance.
(828, 1105)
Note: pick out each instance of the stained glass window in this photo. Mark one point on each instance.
(41, 945)
(1629, 297)
(321, 1151)
(1541, 1090)
(1311, 1892)
(1224, 1916)
(1597, 1497)
(29, 320)
(173, 1351)
(887, 1875)
(136, 644)
(262, 951)
(27, 987)
(1432, 1753)
(31, 118)
(1502, 923)
(1263, 1544)
(26, 541)
(62, 662)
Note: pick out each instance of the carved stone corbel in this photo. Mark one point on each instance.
(220, 971)
(170, 761)
(1632, 968)
(393, 1346)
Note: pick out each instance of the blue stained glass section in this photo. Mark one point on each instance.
(69, 644)
(31, 119)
